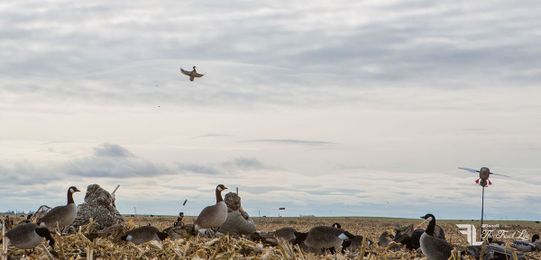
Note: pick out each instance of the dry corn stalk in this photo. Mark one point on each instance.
(454, 255)
(4, 243)
(361, 253)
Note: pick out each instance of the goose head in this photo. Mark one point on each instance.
(337, 225)
(162, 235)
(45, 233)
(431, 223)
(73, 189)
(535, 238)
(299, 237)
(193, 67)
(220, 188)
(428, 217)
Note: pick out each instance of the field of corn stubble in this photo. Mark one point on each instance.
(79, 246)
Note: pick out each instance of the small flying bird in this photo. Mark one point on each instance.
(484, 175)
(192, 74)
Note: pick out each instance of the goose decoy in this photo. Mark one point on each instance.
(432, 247)
(324, 237)
(491, 240)
(28, 219)
(192, 74)
(213, 216)
(286, 234)
(28, 236)
(354, 243)
(410, 236)
(536, 241)
(144, 234)
(385, 238)
(299, 238)
(177, 232)
(61, 216)
(494, 252)
(525, 245)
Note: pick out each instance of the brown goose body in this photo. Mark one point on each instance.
(432, 247)
(61, 216)
(213, 216)
(285, 233)
(324, 237)
(144, 234)
(28, 235)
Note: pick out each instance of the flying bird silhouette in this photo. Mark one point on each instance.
(192, 74)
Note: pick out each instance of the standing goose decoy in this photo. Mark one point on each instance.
(61, 216)
(144, 234)
(410, 236)
(192, 74)
(28, 236)
(434, 248)
(525, 245)
(324, 237)
(213, 216)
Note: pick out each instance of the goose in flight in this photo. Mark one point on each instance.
(192, 74)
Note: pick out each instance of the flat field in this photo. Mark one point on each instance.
(77, 246)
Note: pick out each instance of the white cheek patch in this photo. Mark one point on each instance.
(343, 236)
(220, 189)
(71, 190)
(129, 238)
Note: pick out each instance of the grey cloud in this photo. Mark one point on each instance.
(112, 150)
(246, 163)
(26, 173)
(227, 167)
(115, 168)
(293, 141)
(199, 168)
(115, 161)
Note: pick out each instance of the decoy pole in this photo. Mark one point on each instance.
(482, 211)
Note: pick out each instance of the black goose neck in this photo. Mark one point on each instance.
(431, 226)
(218, 195)
(70, 197)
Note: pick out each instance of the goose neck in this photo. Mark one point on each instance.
(218, 196)
(70, 197)
(431, 227)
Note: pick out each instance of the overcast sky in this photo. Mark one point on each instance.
(323, 107)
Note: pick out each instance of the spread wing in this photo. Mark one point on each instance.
(197, 75)
(502, 175)
(185, 72)
(469, 169)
